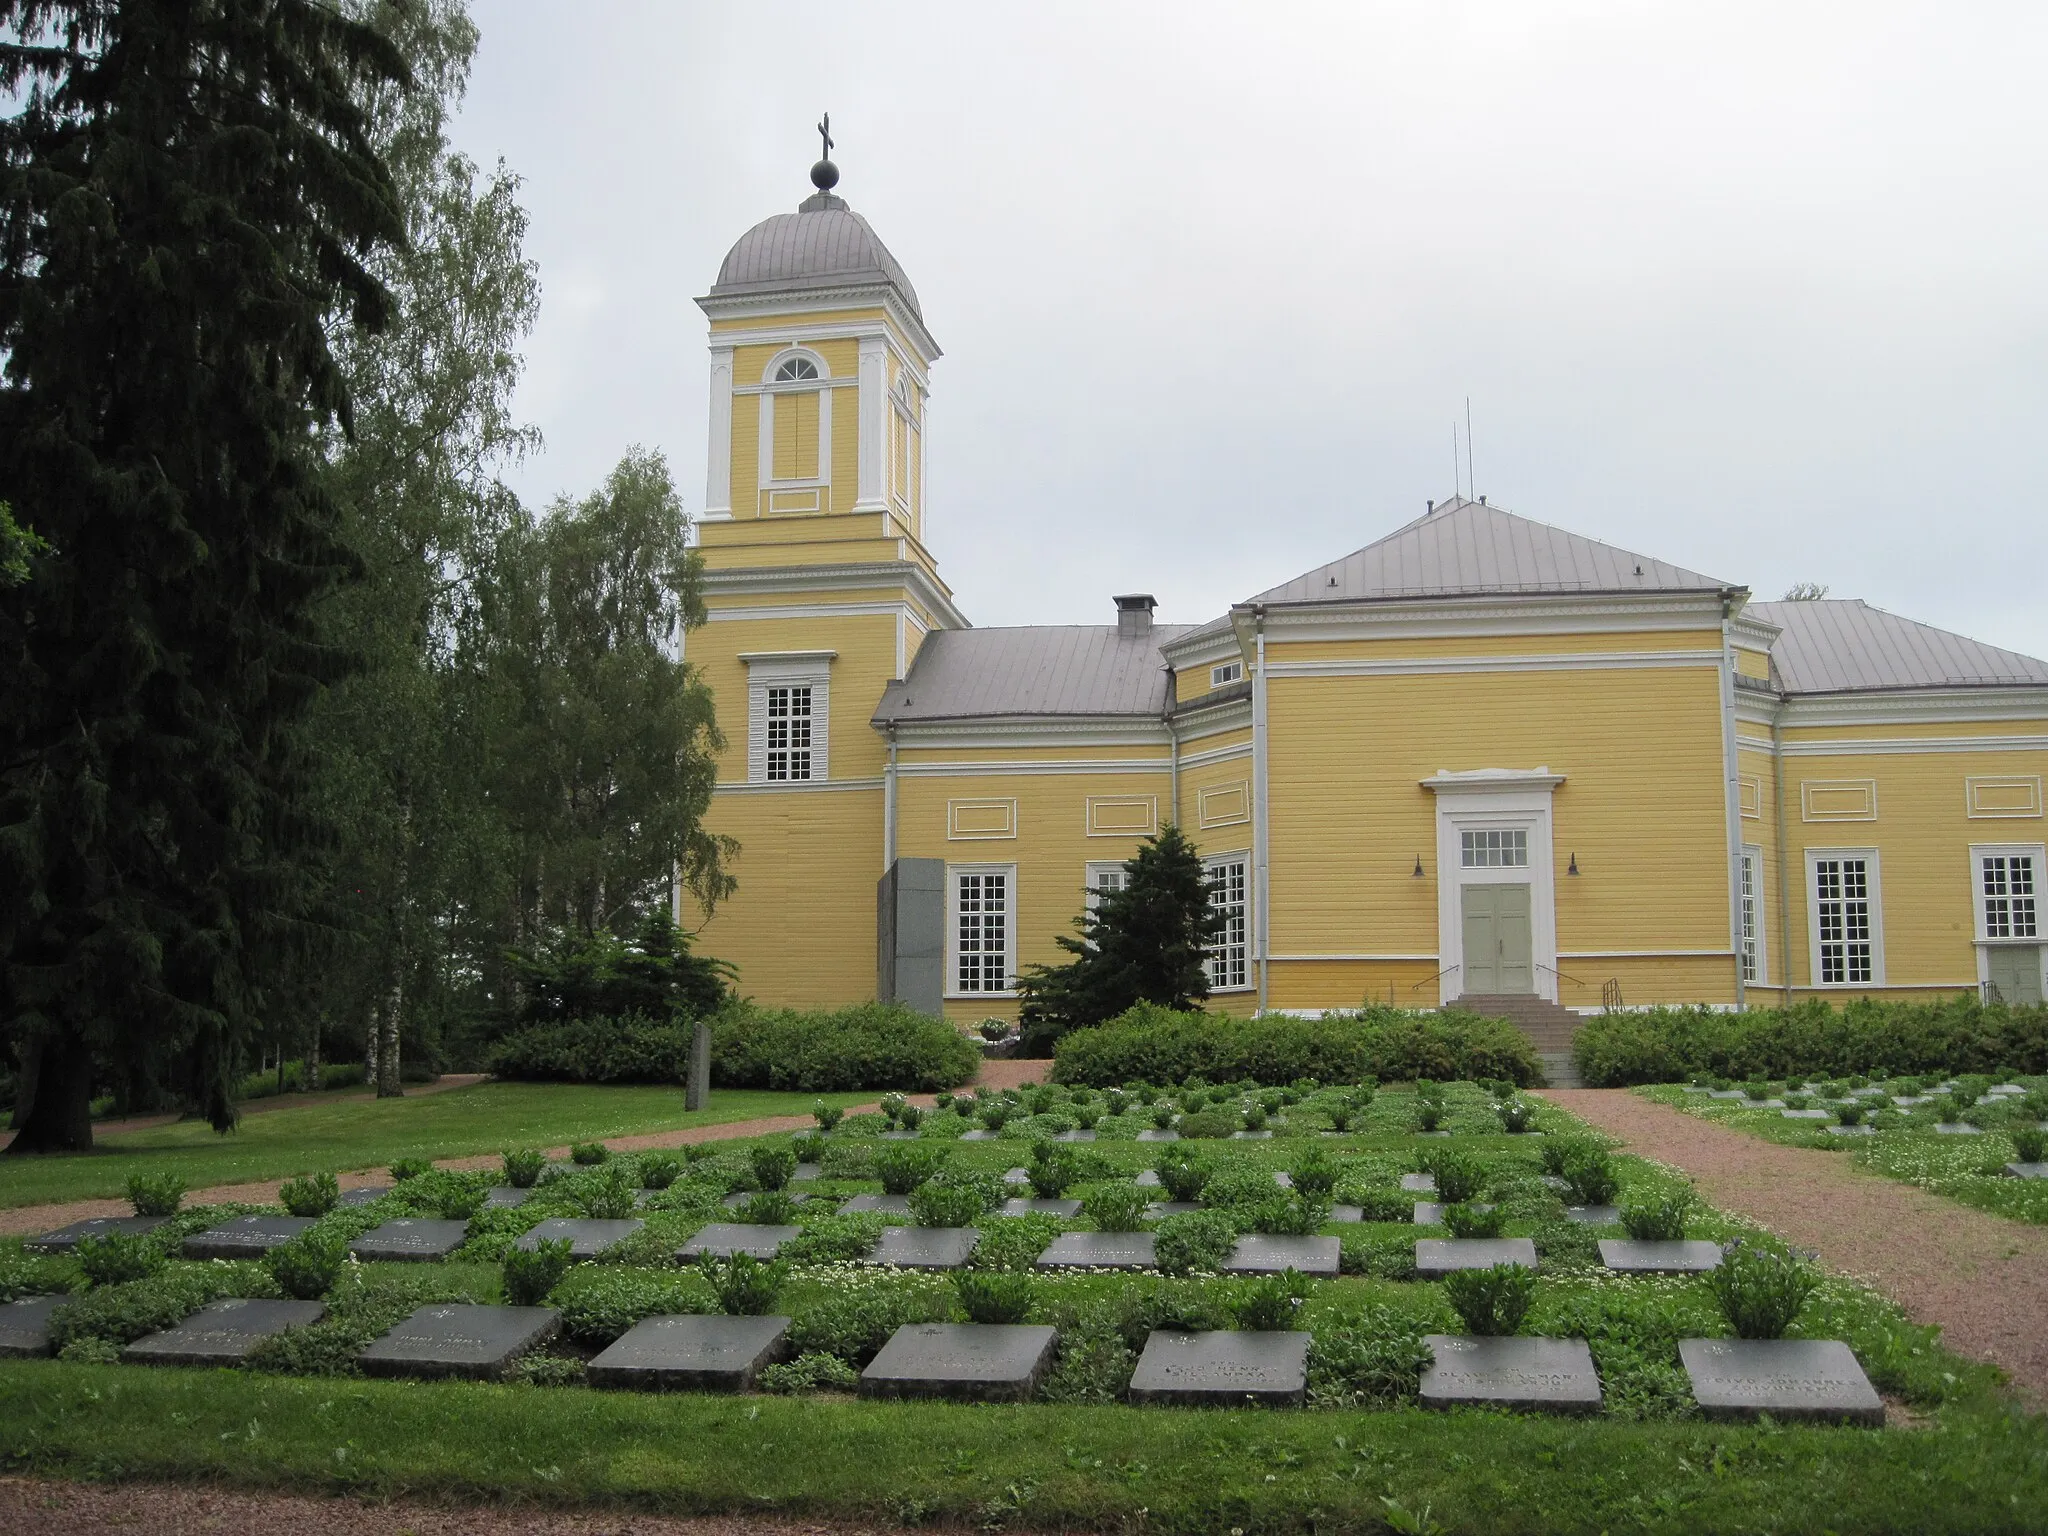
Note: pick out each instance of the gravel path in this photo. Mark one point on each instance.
(33, 1508)
(1982, 1279)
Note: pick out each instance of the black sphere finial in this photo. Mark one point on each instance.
(825, 175)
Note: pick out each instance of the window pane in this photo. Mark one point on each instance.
(1842, 905)
(981, 939)
(1497, 848)
(1226, 962)
(789, 732)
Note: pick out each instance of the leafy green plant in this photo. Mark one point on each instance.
(994, 1295)
(1115, 1102)
(1194, 1242)
(1372, 1358)
(1289, 1214)
(745, 1286)
(1760, 1291)
(587, 1154)
(523, 1168)
(773, 1166)
(1557, 1152)
(994, 1114)
(1162, 1116)
(1255, 1117)
(1491, 1303)
(120, 1257)
(936, 1203)
(605, 1196)
(1458, 1177)
(1315, 1172)
(1516, 1115)
(1183, 1174)
(1657, 1221)
(459, 1200)
(1087, 1116)
(530, 1274)
(1339, 1115)
(155, 1194)
(903, 1165)
(808, 1146)
(1798, 1101)
(1590, 1178)
(808, 1373)
(1117, 1207)
(1429, 1114)
(828, 1116)
(1849, 1114)
(769, 1208)
(599, 1302)
(315, 1194)
(306, 1268)
(659, 1170)
(1052, 1170)
(410, 1168)
(892, 1105)
(1381, 1202)
(1475, 1220)
(910, 1117)
(2029, 1144)
(855, 1324)
(1269, 1305)
(1208, 1125)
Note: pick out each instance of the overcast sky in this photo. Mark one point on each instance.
(1757, 289)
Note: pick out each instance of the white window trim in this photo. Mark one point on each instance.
(2039, 854)
(822, 387)
(1755, 855)
(1239, 856)
(800, 668)
(1877, 972)
(1092, 894)
(953, 874)
(816, 359)
(1217, 677)
(1477, 801)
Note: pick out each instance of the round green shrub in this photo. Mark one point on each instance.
(315, 1194)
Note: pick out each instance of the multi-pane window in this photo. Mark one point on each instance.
(2007, 884)
(796, 370)
(789, 732)
(981, 931)
(1226, 962)
(1842, 914)
(1104, 878)
(1752, 954)
(1495, 848)
(1226, 672)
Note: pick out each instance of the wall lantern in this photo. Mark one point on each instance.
(1573, 867)
(1418, 866)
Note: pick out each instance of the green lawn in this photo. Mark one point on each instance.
(360, 1133)
(1970, 1169)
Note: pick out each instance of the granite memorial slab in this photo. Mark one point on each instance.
(504, 1197)
(882, 1205)
(1099, 1250)
(1066, 1210)
(2027, 1170)
(1537, 1375)
(1251, 1135)
(1681, 1257)
(1430, 1213)
(1155, 1134)
(981, 1134)
(65, 1239)
(1957, 1128)
(1593, 1215)
(723, 1239)
(246, 1237)
(978, 1362)
(1912, 1101)
(1807, 1114)
(1850, 1130)
(1551, 1181)
(1347, 1213)
(1148, 1179)
(1075, 1136)
(925, 1247)
(1016, 1175)
(1727, 1093)
(1159, 1210)
(897, 1136)
(1785, 1378)
(1418, 1183)
(805, 1172)
(222, 1332)
(411, 1238)
(1283, 1178)
(25, 1326)
(453, 1339)
(1436, 1257)
(1444, 1134)
(367, 1195)
(741, 1197)
(587, 1236)
(1259, 1253)
(1222, 1369)
(690, 1354)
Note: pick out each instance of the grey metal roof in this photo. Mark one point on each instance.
(964, 674)
(1467, 548)
(824, 244)
(1845, 645)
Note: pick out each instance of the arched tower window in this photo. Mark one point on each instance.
(796, 435)
(795, 370)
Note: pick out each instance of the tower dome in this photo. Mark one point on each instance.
(824, 244)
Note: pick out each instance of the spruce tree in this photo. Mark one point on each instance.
(189, 203)
(1144, 943)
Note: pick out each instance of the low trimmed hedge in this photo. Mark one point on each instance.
(1156, 1045)
(870, 1045)
(1890, 1039)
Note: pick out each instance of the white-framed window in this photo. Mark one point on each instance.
(1104, 877)
(1755, 968)
(795, 370)
(981, 928)
(796, 425)
(1225, 673)
(1846, 913)
(788, 718)
(2008, 881)
(1494, 848)
(1228, 961)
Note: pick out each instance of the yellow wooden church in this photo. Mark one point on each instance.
(1480, 757)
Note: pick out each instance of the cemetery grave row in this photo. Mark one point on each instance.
(1253, 1246)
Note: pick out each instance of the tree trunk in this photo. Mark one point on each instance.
(25, 1082)
(313, 1060)
(388, 1086)
(59, 1117)
(373, 1037)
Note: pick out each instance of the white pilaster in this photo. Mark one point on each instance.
(718, 459)
(874, 405)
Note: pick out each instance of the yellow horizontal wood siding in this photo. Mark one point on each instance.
(866, 659)
(1915, 730)
(1406, 647)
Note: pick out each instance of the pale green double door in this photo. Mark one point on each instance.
(1499, 951)
(2015, 969)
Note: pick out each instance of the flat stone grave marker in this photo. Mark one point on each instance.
(925, 1247)
(1807, 1114)
(1539, 1375)
(587, 1237)
(887, 1205)
(2005, 1088)
(1075, 1136)
(1160, 1209)
(1680, 1257)
(246, 1237)
(978, 1362)
(1869, 1092)
(1430, 1133)
(1283, 1178)
(1785, 1378)
(1251, 1135)
(370, 1193)
(897, 1136)
(1696, 1088)
(1017, 1176)
(1436, 1257)
(723, 1239)
(1155, 1134)
(1222, 1369)
(1549, 1181)
(1850, 1130)
(1347, 1213)
(805, 1172)
(1957, 1128)
(1593, 1215)
(1258, 1253)
(25, 1326)
(740, 1197)
(2027, 1170)
(1066, 1210)
(1727, 1093)
(411, 1238)
(690, 1354)
(1912, 1101)
(983, 1134)
(1430, 1213)
(504, 1197)
(222, 1332)
(1149, 1179)
(1419, 1183)
(457, 1339)
(1099, 1250)
(65, 1239)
